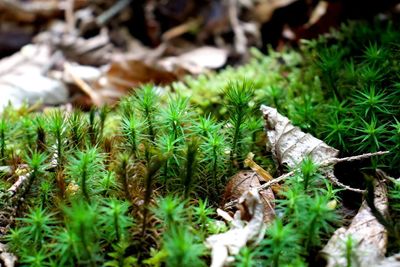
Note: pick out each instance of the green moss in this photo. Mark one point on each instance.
(134, 179)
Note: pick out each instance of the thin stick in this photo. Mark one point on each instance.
(112, 11)
(335, 181)
(21, 179)
(69, 16)
(333, 161)
(276, 180)
(94, 96)
(240, 37)
(327, 163)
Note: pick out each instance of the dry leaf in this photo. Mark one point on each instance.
(289, 144)
(8, 259)
(21, 79)
(392, 261)
(198, 60)
(244, 181)
(369, 236)
(224, 246)
(125, 74)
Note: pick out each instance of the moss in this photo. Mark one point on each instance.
(156, 157)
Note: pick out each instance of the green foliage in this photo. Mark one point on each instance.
(118, 256)
(3, 133)
(162, 156)
(38, 166)
(238, 96)
(190, 166)
(147, 100)
(86, 168)
(307, 208)
(176, 116)
(115, 219)
(77, 130)
(246, 258)
(57, 128)
(170, 211)
(182, 248)
(281, 245)
(81, 221)
(131, 128)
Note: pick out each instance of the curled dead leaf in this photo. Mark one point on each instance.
(368, 236)
(19, 71)
(289, 145)
(244, 181)
(224, 246)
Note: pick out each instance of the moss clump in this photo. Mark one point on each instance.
(137, 184)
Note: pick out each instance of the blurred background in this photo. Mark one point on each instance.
(91, 52)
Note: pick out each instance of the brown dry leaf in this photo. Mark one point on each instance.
(289, 144)
(198, 60)
(22, 78)
(224, 246)
(369, 236)
(125, 74)
(244, 181)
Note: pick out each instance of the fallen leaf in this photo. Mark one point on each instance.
(198, 60)
(288, 144)
(7, 258)
(22, 70)
(392, 261)
(244, 181)
(224, 246)
(368, 235)
(125, 74)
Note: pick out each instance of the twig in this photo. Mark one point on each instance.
(326, 163)
(21, 179)
(335, 181)
(276, 180)
(384, 176)
(69, 16)
(94, 96)
(180, 29)
(104, 17)
(333, 161)
(240, 37)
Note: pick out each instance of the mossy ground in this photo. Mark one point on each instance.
(138, 184)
